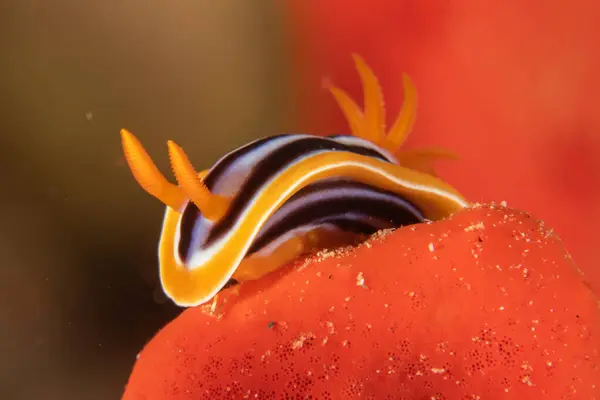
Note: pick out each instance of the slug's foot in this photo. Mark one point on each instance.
(370, 124)
(257, 266)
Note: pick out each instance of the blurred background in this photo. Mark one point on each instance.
(513, 88)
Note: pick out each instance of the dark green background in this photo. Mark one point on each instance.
(79, 278)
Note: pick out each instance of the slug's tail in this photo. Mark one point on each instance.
(371, 125)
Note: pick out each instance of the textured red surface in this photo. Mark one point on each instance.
(511, 86)
(485, 305)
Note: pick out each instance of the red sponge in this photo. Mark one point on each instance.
(484, 305)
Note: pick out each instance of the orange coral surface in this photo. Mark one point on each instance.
(486, 304)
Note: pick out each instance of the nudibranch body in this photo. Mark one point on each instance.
(264, 204)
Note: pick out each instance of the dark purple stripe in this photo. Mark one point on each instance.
(191, 213)
(272, 166)
(261, 173)
(380, 209)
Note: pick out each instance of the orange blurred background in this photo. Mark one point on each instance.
(513, 89)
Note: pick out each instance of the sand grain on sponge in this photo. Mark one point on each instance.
(486, 304)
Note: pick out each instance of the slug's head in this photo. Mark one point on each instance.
(177, 279)
(190, 188)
